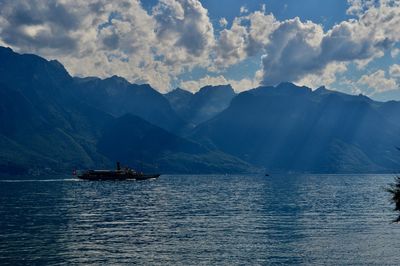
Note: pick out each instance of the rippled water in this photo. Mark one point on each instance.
(308, 219)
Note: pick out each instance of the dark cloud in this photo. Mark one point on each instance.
(19, 38)
(292, 52)
(40, 12)
(35, 25)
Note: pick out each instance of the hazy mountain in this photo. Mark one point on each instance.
(133, 141)
(41, 122)
(117, 96)
(48, 120)
(391, 111)
(290, 128)
(179, 99)
(203, 105)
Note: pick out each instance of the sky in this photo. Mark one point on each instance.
(351, 46)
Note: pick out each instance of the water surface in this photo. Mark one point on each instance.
(181, 220)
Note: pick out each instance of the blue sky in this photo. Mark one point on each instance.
(326, 12)
(346, 45)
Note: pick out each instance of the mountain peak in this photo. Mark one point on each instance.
(203, 105)
(118, 80)
(285, 88)
(57, 64)
(220, 88)
(116, 77)
(322, 91)
(30, 66)
(179, 91)
(6, 50)
(146, 86)
(290, 87)
(322, 88)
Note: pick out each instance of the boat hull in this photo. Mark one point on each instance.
(116, 176)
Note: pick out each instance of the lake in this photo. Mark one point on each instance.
(186, 220)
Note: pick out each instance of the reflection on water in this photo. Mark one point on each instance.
(329, 219)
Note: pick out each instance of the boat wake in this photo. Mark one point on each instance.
(40, 180)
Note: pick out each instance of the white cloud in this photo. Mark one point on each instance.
(394, 71)
(325, 77)
(184, 30)
(261, 27)
(298, 49)
(355, 7)
(395, 52)
(231, 45)
(223, 22)
(247, 37)
(244, 84)
(99, 37)
(243, 10)
(378, 82)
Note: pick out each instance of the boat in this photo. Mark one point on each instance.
(118, 174)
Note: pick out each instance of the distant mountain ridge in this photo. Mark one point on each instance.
(135, 142)
(202, 105)
(117, 96)
(291, 128)
(50, 121)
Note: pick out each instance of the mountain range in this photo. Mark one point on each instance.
(53, 122)
(291, 128)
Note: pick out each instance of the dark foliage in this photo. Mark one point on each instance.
(394, 190)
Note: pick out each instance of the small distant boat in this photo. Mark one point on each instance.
(118, 174)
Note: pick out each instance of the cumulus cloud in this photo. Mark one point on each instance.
(326, 77)
(231, 45)
(298, 49)
(356, 7)
(98, 37)
(103, 38)
(184, 29)
(39, 25)
(378, 82)
(394, 71)
(292, 52)
(246, 37)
